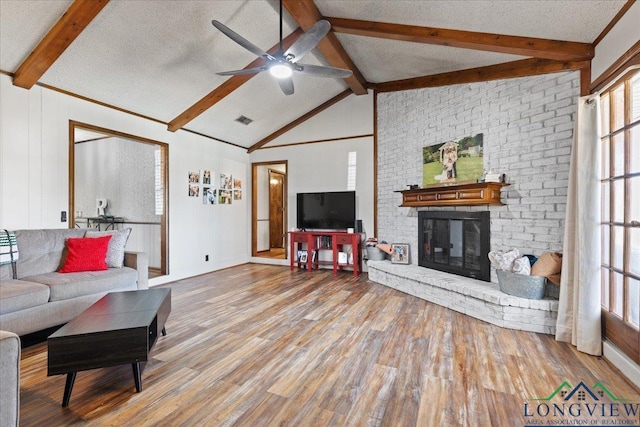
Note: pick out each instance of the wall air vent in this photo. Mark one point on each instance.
(244, 120)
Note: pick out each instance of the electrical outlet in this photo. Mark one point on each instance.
(63, 216)
(206, 257)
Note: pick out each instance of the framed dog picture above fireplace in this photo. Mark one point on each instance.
(453, 161)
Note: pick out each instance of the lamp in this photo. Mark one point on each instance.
(281, 70)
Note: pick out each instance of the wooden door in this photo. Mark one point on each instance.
(276, 209)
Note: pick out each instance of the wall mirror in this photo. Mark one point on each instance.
(116, 181)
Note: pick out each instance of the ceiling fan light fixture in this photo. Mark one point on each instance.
(280, 71)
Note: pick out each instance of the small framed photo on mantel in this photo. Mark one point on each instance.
(400, 253)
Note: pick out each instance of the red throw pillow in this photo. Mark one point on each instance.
(86, 254)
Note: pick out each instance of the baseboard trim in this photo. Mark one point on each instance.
(627, 367)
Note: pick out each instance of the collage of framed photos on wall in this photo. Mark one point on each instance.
(221, 189)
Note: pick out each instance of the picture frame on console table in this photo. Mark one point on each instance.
(400, 253)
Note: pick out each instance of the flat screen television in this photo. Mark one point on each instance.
(334, 210)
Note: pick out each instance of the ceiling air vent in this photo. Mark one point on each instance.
(244, 120)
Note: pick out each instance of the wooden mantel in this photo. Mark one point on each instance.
(464, 194)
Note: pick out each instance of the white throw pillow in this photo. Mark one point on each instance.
(504, 260)
(115, 253)
(522, 266)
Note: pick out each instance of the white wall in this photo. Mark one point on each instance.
(621, 37)
(350, 117)
(34, 186)
(119, 170)
(323, 166)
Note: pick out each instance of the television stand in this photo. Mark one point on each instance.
(316, 241)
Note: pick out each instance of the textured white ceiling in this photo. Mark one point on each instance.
(157, 58)
(382, 60)
(572, 20)
(22, 26)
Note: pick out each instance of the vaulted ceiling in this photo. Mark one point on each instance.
(159, 59)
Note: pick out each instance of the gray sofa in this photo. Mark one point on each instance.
(42, 298)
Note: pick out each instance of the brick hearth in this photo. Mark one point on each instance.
(475, 298)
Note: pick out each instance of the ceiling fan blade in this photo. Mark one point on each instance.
(308, 41)
(320, 71)
(243, 71)
(286, 84)
(241, 40)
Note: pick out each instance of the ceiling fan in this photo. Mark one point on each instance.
(283, 64)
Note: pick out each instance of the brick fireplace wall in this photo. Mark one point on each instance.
(528, 128)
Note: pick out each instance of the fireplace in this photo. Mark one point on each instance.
(455, 242)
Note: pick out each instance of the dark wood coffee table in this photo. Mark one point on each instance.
(118, 329)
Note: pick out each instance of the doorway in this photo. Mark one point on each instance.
(276, 210)
(127, 177)
(269, 209)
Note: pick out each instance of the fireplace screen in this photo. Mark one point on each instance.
(455, 242)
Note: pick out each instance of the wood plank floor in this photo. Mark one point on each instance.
(258, 345)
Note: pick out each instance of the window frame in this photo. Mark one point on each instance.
(616, 326)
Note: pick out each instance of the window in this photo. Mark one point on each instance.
(620, 271)
(351, 171)
(158, 185)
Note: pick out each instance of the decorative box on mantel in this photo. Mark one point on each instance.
(464, 194)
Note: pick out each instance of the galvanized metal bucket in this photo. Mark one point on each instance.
(522, 286)
(375, 254)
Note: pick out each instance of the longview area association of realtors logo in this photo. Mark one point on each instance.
(581, 405)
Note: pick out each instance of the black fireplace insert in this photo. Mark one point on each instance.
(455, 242)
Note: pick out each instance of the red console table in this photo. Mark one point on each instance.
(324, 241)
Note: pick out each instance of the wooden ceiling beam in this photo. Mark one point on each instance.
(56, 41)
(521, 68)
(229, 85)
(306, 14)
(525, 46)
(286, 128)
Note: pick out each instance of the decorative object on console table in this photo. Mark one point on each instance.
(400, 253)
(101, 206)
(464, 194)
